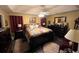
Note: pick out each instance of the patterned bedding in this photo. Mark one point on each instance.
(34, 30)
(38, 36)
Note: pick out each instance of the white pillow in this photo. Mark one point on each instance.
(37, 26)
(31, 26)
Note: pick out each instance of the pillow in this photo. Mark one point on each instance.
(36, 26)
(31, 26)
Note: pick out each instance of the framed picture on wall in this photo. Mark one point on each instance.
(61, 19)
(32, 20)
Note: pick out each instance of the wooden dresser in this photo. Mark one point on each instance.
(5, 39)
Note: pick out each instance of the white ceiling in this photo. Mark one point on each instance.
(36, 9)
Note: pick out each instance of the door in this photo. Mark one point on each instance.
(15, 21)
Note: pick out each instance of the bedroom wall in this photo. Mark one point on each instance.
(26, 19)
(71, 16)
(5, 18)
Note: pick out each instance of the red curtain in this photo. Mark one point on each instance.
(14, 21)
(43, 21)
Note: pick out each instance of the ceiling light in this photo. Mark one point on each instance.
(43, 14)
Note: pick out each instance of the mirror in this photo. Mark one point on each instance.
(61, 19)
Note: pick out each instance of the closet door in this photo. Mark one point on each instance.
(14, 22)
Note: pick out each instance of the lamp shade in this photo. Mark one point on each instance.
(19, 25)
(73, 35)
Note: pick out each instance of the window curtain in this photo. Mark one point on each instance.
(14, 21)
(43, 21)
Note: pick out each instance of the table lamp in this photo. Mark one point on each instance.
(19, 25)
(73, 35)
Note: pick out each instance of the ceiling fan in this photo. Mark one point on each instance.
(44, 11)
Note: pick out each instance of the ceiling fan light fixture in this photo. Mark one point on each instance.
(41, 15)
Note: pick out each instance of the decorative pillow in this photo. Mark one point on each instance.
(31, 26)
(36, 26)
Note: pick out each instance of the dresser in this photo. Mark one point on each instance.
(5, 40)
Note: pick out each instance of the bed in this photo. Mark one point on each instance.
(37, 36)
